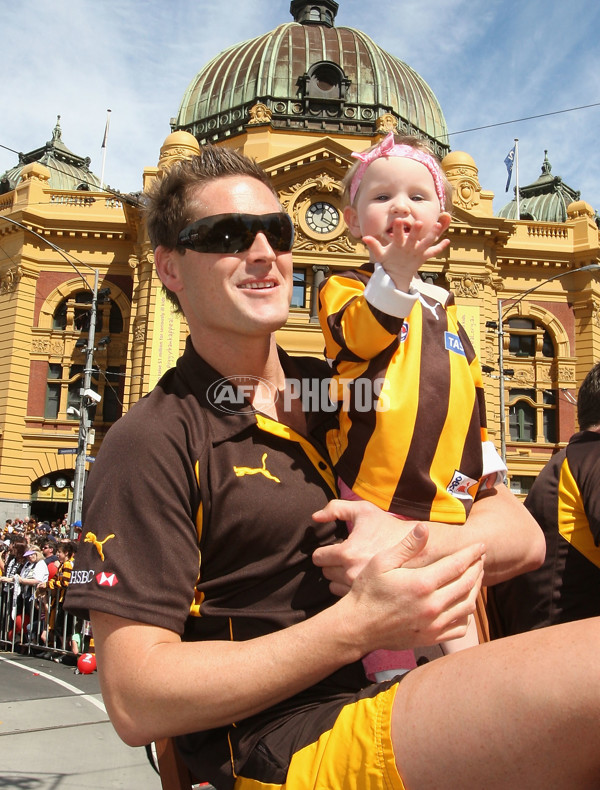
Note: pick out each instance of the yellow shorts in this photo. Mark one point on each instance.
(352, 752)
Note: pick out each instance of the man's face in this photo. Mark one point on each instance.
(232, 297)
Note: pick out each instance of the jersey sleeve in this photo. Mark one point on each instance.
(138, 557)
(356, 314)
(590, 488)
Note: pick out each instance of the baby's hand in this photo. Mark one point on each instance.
(407, 250)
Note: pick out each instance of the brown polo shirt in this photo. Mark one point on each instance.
(198, 519)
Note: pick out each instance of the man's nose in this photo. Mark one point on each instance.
(261, 247)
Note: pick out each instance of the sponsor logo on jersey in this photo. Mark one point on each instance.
(106, 579)
(242, 471)
(460, 484)
(453, 343)
(99, 544)
(404, 332)
(82, 577)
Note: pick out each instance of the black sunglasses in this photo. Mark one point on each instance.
(231, 233)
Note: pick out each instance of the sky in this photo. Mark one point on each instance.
(489, 62)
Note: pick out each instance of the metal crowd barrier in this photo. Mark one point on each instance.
(37, 624)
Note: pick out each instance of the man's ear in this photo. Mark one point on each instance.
(351, 217)
(167, 263)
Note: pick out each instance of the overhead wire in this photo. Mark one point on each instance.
(526, 118)
(128, 197)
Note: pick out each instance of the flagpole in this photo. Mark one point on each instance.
(104, 148)
(517, 177)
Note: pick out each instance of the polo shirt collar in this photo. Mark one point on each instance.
(584, 436)
(199, 376)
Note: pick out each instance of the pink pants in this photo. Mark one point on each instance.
(380, 661)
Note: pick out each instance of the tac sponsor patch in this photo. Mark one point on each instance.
(460, 484)
(106, 579)
(453, 343)
(404, 332)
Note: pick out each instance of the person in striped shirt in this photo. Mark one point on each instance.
(412, 436)
(57, 587)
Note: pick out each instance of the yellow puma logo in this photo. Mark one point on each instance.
(91, 538)
(240, 471)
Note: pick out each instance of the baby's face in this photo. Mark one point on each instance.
(393, 188)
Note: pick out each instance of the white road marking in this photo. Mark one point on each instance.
(72, 689)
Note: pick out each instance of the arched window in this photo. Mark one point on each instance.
(521, 415)
(73, 313)
(524, 339)
(532, 411)
(64, 378)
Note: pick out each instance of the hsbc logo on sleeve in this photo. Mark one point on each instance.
(81, 577)
(106, 579)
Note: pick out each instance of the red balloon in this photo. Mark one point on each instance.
(19, 624)
(86, 663)
(52, 568)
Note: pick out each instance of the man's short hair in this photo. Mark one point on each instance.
(168, 206)
(588, 400)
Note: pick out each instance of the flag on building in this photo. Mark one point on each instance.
(106, 129)
(509, 162)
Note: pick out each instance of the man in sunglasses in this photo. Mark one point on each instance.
(206, 573)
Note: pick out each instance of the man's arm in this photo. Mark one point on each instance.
(154, 685)
(514, 542)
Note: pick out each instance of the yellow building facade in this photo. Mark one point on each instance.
(54, 237)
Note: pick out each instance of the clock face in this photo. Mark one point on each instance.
(322, 217)
(60, 483)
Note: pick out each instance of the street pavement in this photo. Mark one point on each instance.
(55, 734)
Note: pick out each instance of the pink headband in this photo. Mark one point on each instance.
(387, 147)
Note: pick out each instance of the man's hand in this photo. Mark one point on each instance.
(371, 530)
(394, 607)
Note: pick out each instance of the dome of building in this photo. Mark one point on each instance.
(545, 200)
(309, 75)
(67, 170)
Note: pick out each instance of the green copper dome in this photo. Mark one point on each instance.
(311, 76)
(67, 170)
(545, 200)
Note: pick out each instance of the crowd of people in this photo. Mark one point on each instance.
(36, 561)
(36, 529)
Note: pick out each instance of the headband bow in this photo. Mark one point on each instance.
(388, 147)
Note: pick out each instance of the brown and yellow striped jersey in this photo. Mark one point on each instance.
(565, 501)
(412, 421)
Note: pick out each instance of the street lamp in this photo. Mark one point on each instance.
(87, 394)
(87, 398)
(592, 267)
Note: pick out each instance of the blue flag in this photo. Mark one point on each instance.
(509, 162)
